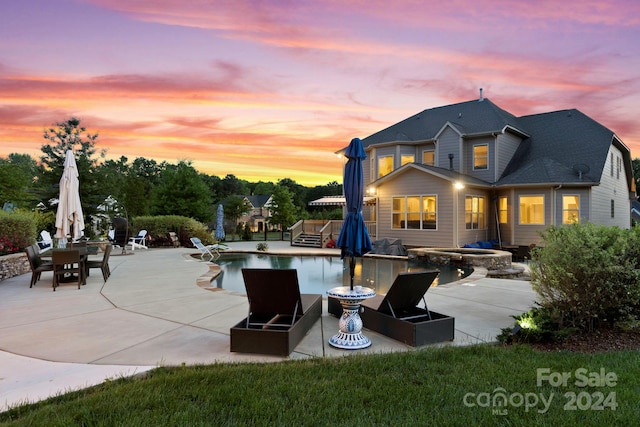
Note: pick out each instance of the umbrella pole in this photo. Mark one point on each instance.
(352, 269)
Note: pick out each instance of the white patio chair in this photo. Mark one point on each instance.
(47, 242)
(139, 241)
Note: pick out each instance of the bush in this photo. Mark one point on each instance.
(17, 231)
(587, 274)
(534, 326)
(159, 226)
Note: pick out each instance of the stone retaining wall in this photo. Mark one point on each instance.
(490, 259)
(13, 265)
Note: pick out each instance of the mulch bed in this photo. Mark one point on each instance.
(599, 341)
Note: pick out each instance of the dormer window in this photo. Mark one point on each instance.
(480, 157)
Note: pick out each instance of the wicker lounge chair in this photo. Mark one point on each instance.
(279, 316)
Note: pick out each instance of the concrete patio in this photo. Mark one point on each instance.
(152, 313)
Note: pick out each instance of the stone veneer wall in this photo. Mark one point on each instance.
(13, 265)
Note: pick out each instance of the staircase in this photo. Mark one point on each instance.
(308, 240)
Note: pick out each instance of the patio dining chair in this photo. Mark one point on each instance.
(68, 263)
(102, 264)
(36, 263)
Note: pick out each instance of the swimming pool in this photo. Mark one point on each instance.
(318, 274)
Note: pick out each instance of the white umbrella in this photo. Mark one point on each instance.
(69, 218)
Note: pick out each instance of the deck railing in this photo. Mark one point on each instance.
(326, 229)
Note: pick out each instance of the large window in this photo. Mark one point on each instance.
(570, 209)
(503, 213)
(429, 157)
(480, 157)
(532, 210)
(414, 213)
(385, 165)
(407, 158)
(474, 213)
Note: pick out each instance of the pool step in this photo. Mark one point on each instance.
(308, 240)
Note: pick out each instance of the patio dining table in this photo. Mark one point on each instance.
(84, 255)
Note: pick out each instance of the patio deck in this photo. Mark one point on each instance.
(152, 313)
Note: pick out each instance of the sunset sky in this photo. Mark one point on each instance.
(270, 89)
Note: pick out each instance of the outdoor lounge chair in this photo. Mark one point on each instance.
(139, 241)
(205, 251)
(279, 316)
(47, 242)
(397, 314)
(36, 263)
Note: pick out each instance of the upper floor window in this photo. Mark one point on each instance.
(619, 164)
(429, 157)
(480, 157)
(570, 209)
(532, 210)
(414, 213)
(611, 164)
(474, 212)
(502, 210)
(385, 165)
(407, 158)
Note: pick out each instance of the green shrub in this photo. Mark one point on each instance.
(534, 326)
(262, 247)
(586, 274)
(159, 226)
(17, 231)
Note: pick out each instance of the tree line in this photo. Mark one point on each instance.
(142, 187)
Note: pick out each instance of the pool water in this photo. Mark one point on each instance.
(318, 274)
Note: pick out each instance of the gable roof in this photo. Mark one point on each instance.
(561, 144)
(442, 173)
(470, 117)
(258, 201)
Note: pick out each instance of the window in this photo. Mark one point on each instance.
(502, 210)
(532, 210)
(613, 208)
(619, 167)
(480, 157)
(611, 164)
(429, 157)
(407, 158)
(474, 212)
(414, 213)
(385, 165)
(570, 209)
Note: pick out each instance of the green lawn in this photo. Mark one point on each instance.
(450, 386)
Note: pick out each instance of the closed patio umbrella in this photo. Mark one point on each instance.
(69, 217)
(219, 234)
(353, 239)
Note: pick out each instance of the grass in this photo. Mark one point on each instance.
(419, 388)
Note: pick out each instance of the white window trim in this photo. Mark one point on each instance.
(421, 212)
(485, 213)
(393, 160)
(473, 154)
(430, 150)
(544, 202)
(563, 209)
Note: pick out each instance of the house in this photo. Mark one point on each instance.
(259, 214)
(471, 171)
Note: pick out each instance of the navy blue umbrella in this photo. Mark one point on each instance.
(354, 239)
(219, 234)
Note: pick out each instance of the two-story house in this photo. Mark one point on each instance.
(472, 171)
(258, 214)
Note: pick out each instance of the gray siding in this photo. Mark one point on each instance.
(506, 146)
(484, 174)
(525, 234)
(448, 142)
(612, 188)
(414, 183)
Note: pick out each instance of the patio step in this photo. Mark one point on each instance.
(308, 240)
